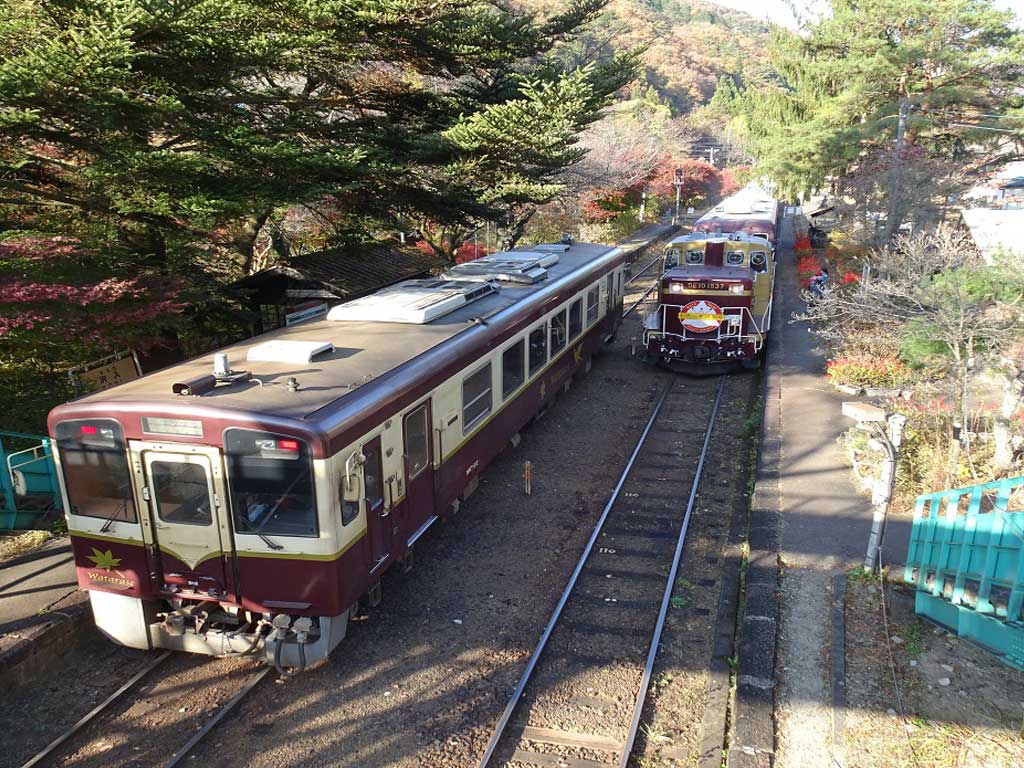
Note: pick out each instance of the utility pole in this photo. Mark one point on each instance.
(678, 183)
(711, 155)
(896, 176)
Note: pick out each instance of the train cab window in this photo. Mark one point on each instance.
(559, 332)
(476, 398)
(695, 257)
(593, 295)
(735, 258)
(181, 492)
(513, 368)
(94, 462)
(759, 261)
(671, 258)
(270, 478)
(417, 439)
(576, 318)
(538, 348)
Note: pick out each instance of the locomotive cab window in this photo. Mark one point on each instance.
(513, 368)
(559, 332)
(270, 478)
(576, 318)
(538, 348)
(94, 462)
(735, 258)
(759, 261)
(593, 295)
(695, 257)
(476, 398)
(671, 258)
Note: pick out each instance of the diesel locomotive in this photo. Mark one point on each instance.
(715, 293)
(246, 501)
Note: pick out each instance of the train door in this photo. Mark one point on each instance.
(419, 466)
(183, 487)
(610, 292)
(378, 514)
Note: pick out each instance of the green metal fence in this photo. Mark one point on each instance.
(28, 480)
(966, 560)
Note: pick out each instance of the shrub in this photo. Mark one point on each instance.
(886, 371)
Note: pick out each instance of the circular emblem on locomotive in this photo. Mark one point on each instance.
(701, 316)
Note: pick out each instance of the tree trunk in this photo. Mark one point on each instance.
(516, 230)
(1001, 428)
(245, 239)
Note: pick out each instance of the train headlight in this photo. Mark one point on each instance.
(675, 288)
(736, 288)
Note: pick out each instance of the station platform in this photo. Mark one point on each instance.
(41, 611)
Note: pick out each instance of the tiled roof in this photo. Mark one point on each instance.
(993, 230)
(350, 271)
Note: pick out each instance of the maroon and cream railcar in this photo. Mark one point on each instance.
(752, 211)
(715, 295)
(244, 502)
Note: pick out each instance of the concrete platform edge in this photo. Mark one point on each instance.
(752, 737)
(39, 650)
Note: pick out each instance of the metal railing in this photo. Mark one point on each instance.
(732, 325)
(966, 562)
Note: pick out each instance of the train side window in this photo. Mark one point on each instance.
(734, 258)
(576, 318)
(349, 511)
(513, 368)
(593, 295)
(695, 257)
(476, 397)
(538, 348)
(559, 332)
(417, 436)
(372, 475)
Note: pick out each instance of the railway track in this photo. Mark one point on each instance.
(102, 718)
(617, 597)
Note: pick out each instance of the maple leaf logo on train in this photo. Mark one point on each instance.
(105, 560)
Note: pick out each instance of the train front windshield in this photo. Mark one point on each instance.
(94, 462)
(271, 482)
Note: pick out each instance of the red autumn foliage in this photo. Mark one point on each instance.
(470, 251)
(600, 204)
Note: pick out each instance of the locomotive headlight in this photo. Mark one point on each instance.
(675, 287)
(738, 288)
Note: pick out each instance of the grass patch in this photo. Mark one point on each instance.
(22, 543)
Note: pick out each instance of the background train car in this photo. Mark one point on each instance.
(244, 502)
(752, 211)
(715, 293)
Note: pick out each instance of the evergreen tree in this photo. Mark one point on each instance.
(839, 86)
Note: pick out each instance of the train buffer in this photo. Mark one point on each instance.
(966, 561)
(28, 480)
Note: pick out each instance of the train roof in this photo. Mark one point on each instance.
(716, 237)
(363, 344)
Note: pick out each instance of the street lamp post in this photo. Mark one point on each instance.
(888, 429)
(678, 183)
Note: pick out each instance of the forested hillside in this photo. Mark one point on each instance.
(688, 45)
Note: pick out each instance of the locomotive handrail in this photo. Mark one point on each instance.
(718, 335)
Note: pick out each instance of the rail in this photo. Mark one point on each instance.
(641, 696)
(104, 705)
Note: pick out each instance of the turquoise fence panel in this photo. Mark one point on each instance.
(28, 480)
(966, 561)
